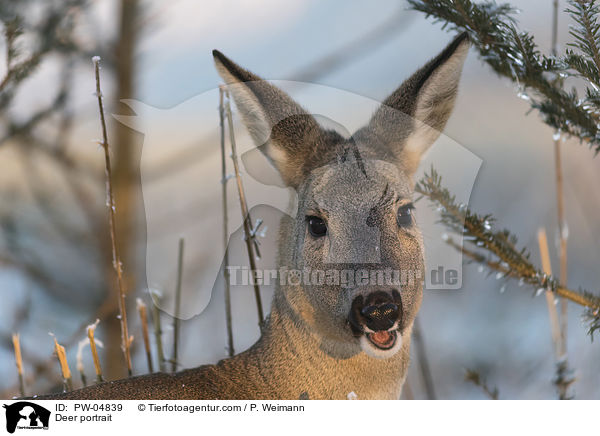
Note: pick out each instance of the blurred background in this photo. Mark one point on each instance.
(55, 256)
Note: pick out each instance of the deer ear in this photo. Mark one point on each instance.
(412, 118)
(280, 127)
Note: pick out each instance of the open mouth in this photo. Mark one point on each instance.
(381, 344)
(384, 340)
(376, 321)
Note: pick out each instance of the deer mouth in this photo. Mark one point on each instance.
(376, 321)
(381, 344)
(384, 340)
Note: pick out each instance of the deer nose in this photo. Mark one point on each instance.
(380, 316)
(377, 311)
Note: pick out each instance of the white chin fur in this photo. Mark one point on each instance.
(378, 353)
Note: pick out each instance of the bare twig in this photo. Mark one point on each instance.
(475, 378)
(125, 339)
(423, 361)
(142, 310)
(19, 362)
(91, 329)
(248, 236)
(177, 305)
(224, 179)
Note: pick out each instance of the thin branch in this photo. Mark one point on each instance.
(423, 361)
(224, 179)
(118, 266)
(247, 221)
(177, 305)
(560, 202)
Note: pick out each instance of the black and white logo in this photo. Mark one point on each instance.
(26, 415)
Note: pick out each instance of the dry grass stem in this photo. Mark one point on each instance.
(563, 380)
(560, 202)
(64, 365)
(158, 332)
(143, 311)
(91, 329)
(19, 362)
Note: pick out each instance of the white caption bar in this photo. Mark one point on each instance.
(297, 417)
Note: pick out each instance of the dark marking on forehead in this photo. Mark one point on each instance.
(343, 156)
(375, 218)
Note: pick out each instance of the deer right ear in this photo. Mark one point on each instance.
(412, 118)
(280, 127)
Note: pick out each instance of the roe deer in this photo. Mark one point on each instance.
(323, 340)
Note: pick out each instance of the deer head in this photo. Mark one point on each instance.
(354, 236)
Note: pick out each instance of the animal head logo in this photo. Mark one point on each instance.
(26, 415)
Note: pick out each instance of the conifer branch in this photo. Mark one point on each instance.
(500, 247)
(513, 53)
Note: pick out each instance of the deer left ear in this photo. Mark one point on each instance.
(412, 118)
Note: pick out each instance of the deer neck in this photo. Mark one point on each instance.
(294, 362)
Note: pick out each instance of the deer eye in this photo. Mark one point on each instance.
(316, 226)
(405, 215)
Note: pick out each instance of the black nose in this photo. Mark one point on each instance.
(379, 311)
(380, 316)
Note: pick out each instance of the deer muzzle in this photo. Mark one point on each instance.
(376, 319)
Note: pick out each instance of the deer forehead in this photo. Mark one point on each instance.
(343, 187)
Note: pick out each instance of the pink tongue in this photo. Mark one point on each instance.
(381, 338)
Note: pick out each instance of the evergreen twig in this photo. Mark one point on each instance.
(513, 53)
(503, 256)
